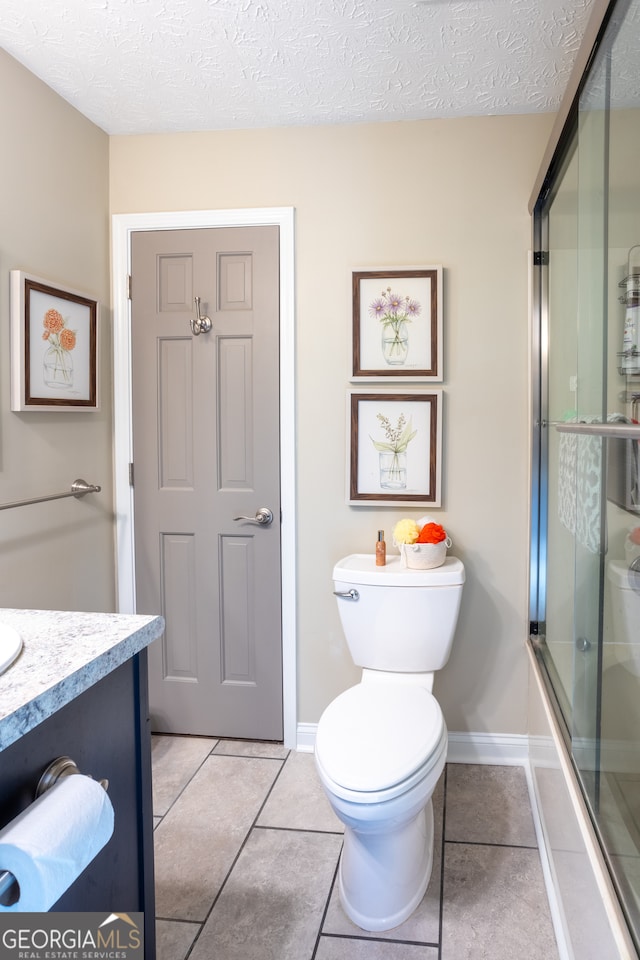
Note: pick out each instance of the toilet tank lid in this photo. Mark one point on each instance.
(361, 568)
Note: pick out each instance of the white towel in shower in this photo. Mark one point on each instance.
(580, 482)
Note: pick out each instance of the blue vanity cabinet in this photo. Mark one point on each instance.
(105, 731)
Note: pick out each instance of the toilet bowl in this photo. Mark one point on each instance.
(381, 745)
(380, 751)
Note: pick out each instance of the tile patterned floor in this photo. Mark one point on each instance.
(247, 850)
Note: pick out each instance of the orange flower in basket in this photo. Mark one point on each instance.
(432, 533)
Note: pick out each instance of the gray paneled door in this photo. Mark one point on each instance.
(206, 451)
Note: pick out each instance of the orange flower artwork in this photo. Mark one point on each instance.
(58, 362)
(53, 321)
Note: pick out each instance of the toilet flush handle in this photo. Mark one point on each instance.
(347, 594)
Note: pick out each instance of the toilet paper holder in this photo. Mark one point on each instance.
(60, 767)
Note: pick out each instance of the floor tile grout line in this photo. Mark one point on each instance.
(493, 843)
(237, 856)
(326, 907)
(365, 938)
(270, 791)
(185, 785)
(322, 833)
(247, 756)
(442, 856)
(235, 756)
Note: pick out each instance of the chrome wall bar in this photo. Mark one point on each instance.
(626, 431)
(79, 489)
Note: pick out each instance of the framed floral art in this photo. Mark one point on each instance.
(397, 324)
(394, 448)
(54, 346)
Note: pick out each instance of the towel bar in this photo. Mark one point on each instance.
(626, 431)
(79, 488)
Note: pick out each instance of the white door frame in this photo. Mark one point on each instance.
(123, 225)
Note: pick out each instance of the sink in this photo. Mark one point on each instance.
(10, 645)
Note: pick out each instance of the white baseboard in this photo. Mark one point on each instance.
(306, 737)
(503, 749)
(506, 749)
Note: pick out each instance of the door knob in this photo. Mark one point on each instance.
(263, 517)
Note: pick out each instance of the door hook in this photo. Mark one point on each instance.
(199, 324)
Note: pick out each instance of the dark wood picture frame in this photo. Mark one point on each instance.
(54, 346)
(397, 324)
(394, 448)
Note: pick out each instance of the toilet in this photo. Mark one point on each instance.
(381, 746)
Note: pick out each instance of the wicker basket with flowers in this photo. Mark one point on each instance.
(423, 543)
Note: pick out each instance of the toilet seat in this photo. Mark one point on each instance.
(375, 741)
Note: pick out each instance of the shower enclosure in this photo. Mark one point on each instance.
(585, 560)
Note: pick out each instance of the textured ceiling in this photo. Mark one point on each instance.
(147, 66)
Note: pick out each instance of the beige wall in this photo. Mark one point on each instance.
(54, 216)
(453, 192)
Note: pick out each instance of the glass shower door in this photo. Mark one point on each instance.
(575, 388)
(589, 450)
(589, 609)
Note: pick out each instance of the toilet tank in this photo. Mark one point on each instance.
(398, 619)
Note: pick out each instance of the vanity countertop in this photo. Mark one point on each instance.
(63, 654)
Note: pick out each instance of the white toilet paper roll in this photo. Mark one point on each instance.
(50, 843)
